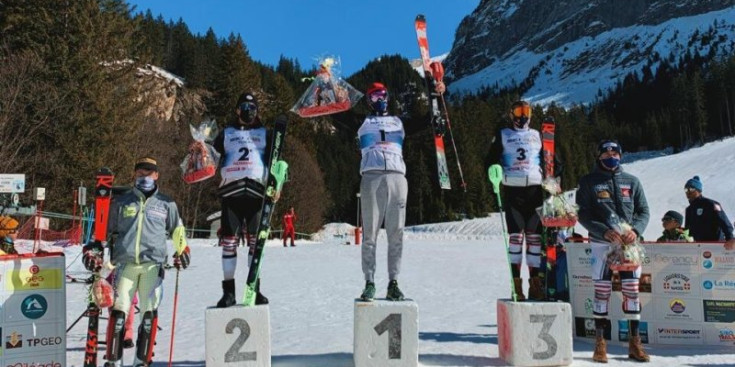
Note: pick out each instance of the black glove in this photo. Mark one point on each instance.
(182, 260)
(92, 256)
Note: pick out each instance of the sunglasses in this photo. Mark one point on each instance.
(520, 111)
(689, 189)
(248, 106)
(667, 219)
(378, 95)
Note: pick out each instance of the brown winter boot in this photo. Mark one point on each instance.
(518, 286)
(600, 354)
(635, 350)
(536, 289)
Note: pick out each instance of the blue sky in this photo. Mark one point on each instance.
(356, 31)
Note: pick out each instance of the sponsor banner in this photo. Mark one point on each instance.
(683, 287)
(624, 333)
(719, 310)
(720, 284)
(579, 256)
(585, 305)
(720, 334)
(679, 333)
(717, 259)
(673, 260)
(584, 327)
(57, 359)
(34, 307)
(33, 338)
(678, 283)
(32, 278)
(678, 309)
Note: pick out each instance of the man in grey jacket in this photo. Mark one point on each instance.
(608, 197)
(142, 217)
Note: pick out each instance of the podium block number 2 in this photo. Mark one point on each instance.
(544, 335)
(391, 324)
(233, 354)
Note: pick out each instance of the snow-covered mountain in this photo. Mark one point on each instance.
(569, 51)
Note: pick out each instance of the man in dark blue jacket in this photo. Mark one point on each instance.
(608, 197)
(705, 218)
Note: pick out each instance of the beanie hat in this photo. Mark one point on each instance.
(8, 226)
(694, 183)
(609, 145)
(146, 163)
(247, 97)
(675, 215)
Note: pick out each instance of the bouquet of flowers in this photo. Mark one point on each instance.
(201, 161)
(626, 256)
(556, 211)
(327, 93)
(102, 292)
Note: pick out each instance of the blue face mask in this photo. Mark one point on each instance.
(380, 106)
(145, 183)
(610, 163)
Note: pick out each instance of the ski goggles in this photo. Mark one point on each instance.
(248, 106)
(521, 111)
(378, 95)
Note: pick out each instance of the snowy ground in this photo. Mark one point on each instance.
(454, 271)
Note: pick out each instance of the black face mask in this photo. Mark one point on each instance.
(248, 112)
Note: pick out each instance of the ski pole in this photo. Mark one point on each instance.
(495, 174)
(173, 319)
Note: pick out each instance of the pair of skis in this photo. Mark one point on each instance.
(102, 198)
(433, 75)
(276, 178)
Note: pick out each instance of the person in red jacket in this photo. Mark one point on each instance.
(288, 230)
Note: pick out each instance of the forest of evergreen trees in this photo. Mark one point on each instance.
(70, 103)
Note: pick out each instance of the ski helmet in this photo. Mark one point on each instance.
(377, 96)
(520, 114)
(247, 105)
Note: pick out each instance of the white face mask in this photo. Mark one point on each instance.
(145, 183)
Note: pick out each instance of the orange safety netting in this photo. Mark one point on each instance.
(27, 232)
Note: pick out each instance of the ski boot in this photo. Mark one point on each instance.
(228, 296)
(368, 294)
(600, 354)
(146, 339)
(635, 350)
(260, 299)
(518, 286)
(536, 289)
(394, 293)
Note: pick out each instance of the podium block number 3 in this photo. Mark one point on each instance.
(544, 335)
(391, 324)
(233, 354)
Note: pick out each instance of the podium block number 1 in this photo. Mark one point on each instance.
(233, 354)
(391, 324)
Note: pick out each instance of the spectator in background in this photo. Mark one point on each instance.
(8, 228)
(673, 231)
(705, 218)
(288, 229)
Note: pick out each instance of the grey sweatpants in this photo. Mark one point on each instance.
(383, 198)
